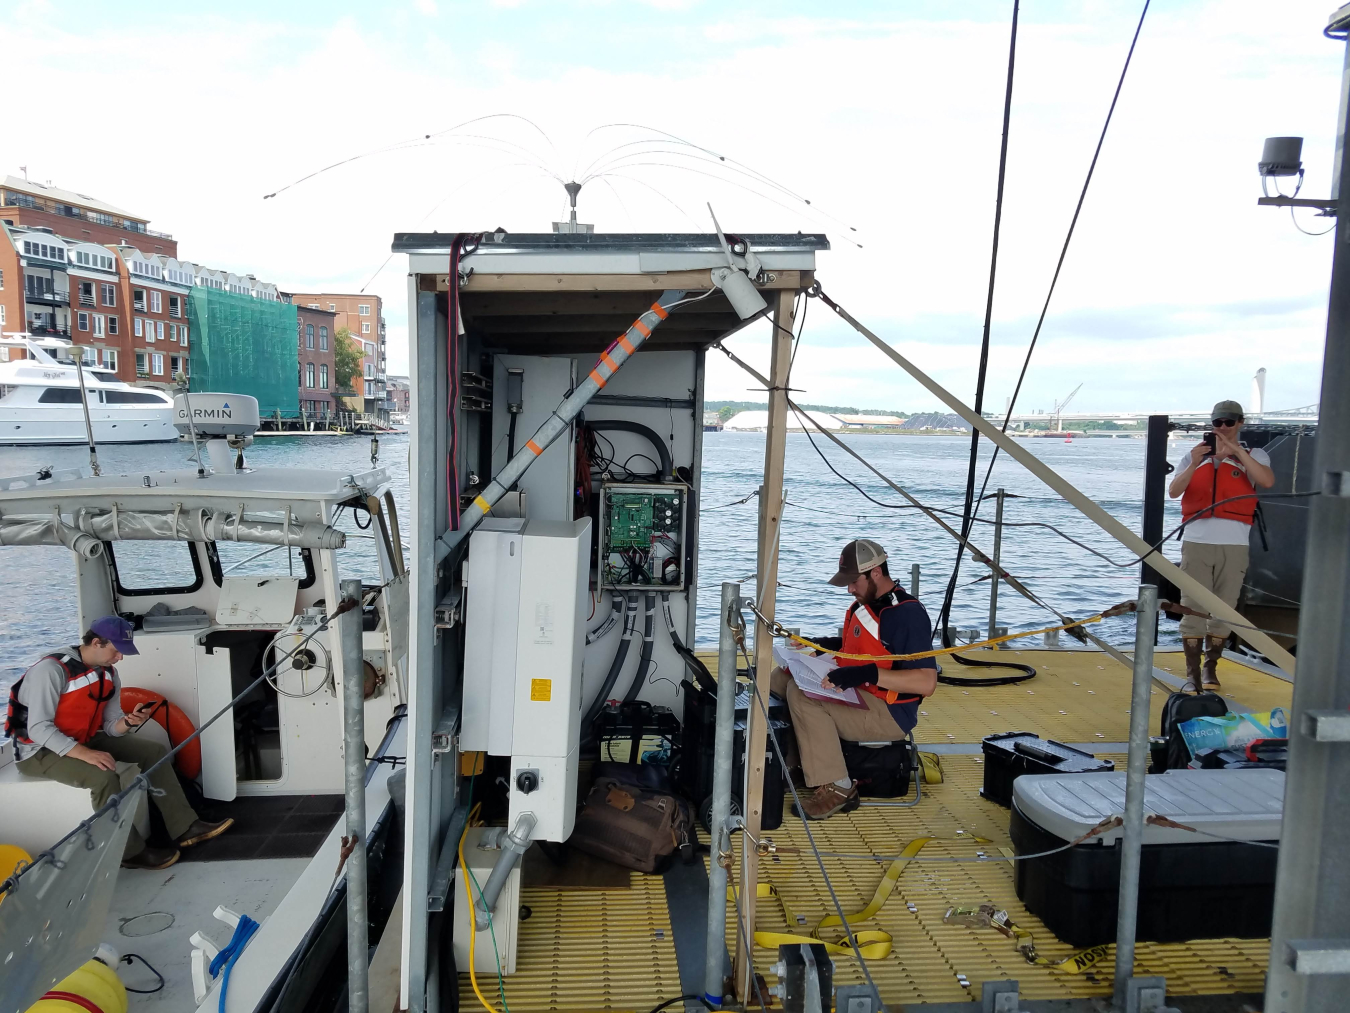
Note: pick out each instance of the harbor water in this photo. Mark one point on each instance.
(39, 608)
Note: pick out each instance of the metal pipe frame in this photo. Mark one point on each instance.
(724, 762)
(354, 770)
(1146, 621)
(994, 570)
(1312, 885)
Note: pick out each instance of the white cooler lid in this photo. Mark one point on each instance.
(1245, 804)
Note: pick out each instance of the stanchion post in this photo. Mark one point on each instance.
(994, 571)
(354, 764)
(724, 761)
(1146, 619)
(914, 579)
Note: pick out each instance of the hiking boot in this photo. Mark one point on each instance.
(1209, 679)
(151, 859)
(1193, 648)
(827, 800)
(201, 830)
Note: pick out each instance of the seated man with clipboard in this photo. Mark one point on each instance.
(884, 705)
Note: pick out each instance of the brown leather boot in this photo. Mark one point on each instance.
(1209, 679)
(827, 800)
(1193, 648)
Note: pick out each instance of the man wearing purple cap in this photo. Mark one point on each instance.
(883, 620)
(67, 723)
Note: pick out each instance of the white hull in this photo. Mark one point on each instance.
(58, 424)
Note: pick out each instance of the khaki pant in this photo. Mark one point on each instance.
(104, 784)
(1220, 568)
(819, 725)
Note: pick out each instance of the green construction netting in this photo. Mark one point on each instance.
(242, 345)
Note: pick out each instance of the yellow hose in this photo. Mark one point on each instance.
(473, 928)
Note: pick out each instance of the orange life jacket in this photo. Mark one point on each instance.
(1223, 480)
(79, 712)
(862, 635)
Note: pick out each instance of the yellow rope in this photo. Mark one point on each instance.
(777, 630)
(473, 930)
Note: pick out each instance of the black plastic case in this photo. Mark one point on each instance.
(1009, 755)
(1205, 890)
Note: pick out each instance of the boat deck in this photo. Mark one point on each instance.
(616, 948)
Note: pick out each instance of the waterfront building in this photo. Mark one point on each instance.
(400, 393)
(363, 316)
(76, 216)
(316, 332)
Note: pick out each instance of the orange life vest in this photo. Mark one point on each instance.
(1223, 480)
(79, 712)
(862, 635)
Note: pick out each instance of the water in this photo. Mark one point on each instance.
(39, 607)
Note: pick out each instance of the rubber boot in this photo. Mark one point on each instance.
(1209, 679)
(1194, 651)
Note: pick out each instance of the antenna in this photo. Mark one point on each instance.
(84, 401)
(721, 238)
(180, 378)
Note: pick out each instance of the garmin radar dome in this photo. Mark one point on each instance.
(225, 422)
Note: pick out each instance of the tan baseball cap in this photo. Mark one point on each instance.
(858, 557)
(1227, 410)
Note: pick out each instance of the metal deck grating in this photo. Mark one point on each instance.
(613, 950)
(927, 955)
(589, 950)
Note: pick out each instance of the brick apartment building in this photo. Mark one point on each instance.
(316, 333)
(363, 316)
(77, 217)
(400, 392)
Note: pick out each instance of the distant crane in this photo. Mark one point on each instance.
(1061, 405)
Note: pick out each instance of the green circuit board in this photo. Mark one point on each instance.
(630, 520)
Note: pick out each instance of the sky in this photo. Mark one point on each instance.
(885, 116)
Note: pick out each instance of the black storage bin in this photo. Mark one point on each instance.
(1009, 755)
(1207, 890)
(882, 769)
(695, 775)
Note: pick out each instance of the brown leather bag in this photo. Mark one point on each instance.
(634, 827)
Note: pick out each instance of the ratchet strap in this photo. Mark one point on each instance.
(875, 944)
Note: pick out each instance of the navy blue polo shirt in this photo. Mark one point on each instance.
(906, 629)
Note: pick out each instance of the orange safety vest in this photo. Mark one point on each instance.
(1223, 481)
(862, 635)
(79, 712)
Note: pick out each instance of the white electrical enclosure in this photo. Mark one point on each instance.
(491, 621)
(554, 603)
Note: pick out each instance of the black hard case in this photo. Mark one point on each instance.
(1009, 755)
(1204, 890)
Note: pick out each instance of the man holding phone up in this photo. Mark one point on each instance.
(67, 723)
(1217, 484)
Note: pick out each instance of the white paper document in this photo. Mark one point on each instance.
(808, 671)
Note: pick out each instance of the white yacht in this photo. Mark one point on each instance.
(40, 400)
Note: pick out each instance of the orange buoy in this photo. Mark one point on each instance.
(171, 718)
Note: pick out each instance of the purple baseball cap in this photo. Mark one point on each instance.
(116, 631)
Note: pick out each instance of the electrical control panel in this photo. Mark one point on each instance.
(643, 536)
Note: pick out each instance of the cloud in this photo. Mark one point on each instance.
(1176, 282)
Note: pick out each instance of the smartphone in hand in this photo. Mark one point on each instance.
(1209, 441)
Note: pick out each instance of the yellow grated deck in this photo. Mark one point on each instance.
(613, 949)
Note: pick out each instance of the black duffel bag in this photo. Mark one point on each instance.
(882, 769)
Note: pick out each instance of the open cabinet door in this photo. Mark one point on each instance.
(213, 693)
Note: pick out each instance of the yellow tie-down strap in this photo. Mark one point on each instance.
(875, 944)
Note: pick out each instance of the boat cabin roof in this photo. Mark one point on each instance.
(259, 490)
(573, 292)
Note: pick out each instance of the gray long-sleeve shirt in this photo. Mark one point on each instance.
(41, 691)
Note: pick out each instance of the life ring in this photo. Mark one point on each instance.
(188, 760)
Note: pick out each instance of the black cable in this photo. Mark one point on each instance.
(1040, 322)
(684, 998)
(149, 967)
(356, 517)
(944, 616)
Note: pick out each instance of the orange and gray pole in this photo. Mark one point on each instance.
(609, 363)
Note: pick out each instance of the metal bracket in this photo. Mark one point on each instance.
(1147, 995)
(999, 997)
(449, 607)
(855, 999)
(1327, 726)
(1327, 207)
(443, 738)
(1336, 483)
(1318, 956)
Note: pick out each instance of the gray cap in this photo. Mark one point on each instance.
(1227, 410)
(858, 558)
